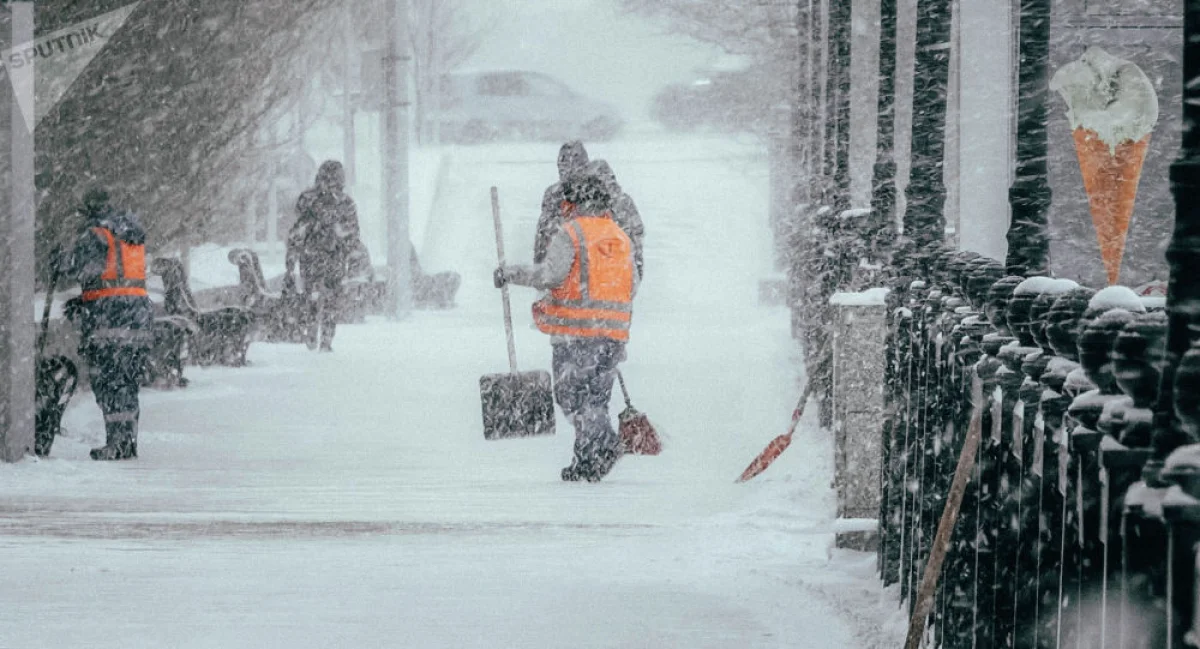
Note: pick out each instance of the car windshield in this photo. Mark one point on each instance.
(547, 87)
(502, 85)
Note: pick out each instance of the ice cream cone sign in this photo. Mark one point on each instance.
(1112, 108)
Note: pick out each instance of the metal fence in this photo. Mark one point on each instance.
(1078, 527)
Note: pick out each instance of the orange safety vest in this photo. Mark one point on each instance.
(124, 271)
(596, 299)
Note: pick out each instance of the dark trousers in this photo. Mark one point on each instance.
(323, 296)
(114, 372)
(584, 371)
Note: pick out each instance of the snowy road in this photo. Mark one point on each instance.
(349, 500)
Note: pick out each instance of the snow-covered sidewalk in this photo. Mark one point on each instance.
(349, 500)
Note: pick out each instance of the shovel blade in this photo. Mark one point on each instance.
(764, 459)
(517, 404)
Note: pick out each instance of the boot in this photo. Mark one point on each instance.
(576, 471)
(327, 330)
(602, 464)
(130, 440)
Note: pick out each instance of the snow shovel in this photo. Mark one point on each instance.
(55, 377)
(779, 444)
(638, 436)
(515, 404)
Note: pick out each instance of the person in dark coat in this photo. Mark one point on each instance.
(115, 316)
(572, 159)
(321, 242)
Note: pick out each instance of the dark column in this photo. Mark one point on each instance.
(1183, 253)
(1028, 238)
(883, 195)
(839, 49)
(924, 222)
(807, 122)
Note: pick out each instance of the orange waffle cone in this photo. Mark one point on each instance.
(1111, 180)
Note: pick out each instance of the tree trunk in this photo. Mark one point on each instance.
(1029, 196)
(924, 220)
(883, 196)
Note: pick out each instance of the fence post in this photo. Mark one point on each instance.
(859, 363)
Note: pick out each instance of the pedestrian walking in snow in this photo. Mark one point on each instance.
(115, 316)
(589, 271)
(322, 242)
(572, 161)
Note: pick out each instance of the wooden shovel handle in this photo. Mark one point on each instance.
(624, 391)
(941, 542)
(508, 328)
(55, 271)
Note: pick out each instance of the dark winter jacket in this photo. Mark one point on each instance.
(109, 321)
(572, 160)
(624, 212)
(326, 232)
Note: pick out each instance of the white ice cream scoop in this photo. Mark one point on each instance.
(1108, 95)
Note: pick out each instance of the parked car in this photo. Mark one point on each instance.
(516, 104)
(718, 100)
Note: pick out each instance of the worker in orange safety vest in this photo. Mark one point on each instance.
(591, 279)
(115, 317)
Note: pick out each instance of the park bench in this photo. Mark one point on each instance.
(278, 313)
(221, 335)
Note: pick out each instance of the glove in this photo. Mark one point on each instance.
(73, 310)
(500, 277)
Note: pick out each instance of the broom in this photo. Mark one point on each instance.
(779, 444)
(638, 436)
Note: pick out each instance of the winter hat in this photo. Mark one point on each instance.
(572, 158)
(588, 192)
(95, 199)
(602, 170)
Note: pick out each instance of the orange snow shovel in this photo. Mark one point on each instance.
(638, 436)
(779, 444)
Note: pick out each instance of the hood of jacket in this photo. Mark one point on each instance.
(124, 225)
(572, 159)
(331, 177)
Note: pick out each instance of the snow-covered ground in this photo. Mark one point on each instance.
(349, 500)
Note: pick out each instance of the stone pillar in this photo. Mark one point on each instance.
(859, 364)
(17, 343)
